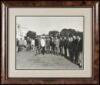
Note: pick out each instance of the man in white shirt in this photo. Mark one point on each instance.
(25, 43)
(33, 44)
(43, 43)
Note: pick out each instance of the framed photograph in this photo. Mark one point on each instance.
(49, 42)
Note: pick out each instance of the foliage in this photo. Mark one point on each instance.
(67, 32)
(31, 34)
(53, 33)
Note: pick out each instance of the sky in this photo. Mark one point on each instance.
(42, 25)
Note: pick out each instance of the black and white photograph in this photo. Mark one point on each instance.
(49, 42)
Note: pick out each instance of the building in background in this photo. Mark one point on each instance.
(20, 31)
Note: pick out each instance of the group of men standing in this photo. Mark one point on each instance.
(63, 45)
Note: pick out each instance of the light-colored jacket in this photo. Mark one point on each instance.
(33, 42)
(57, 42)
(25, 43)
(43, 43)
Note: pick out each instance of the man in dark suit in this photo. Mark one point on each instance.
(70, 47)
(48, 45)
(65, 46)
(53, 45)
(61, 46)
(80, 45)
(36, 45)
(77, 49)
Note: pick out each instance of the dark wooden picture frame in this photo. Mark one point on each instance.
(56, 3)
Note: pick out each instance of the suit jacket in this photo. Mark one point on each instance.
(61, 44)
(65, 43)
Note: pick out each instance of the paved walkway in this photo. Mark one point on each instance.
(28, 60)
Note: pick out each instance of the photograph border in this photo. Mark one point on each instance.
(58, 4)
(51, 16)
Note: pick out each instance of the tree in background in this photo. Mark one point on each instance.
(66, 32)
(31, 34)
(53, 33)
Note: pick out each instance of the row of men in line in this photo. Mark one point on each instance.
(56, 46)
